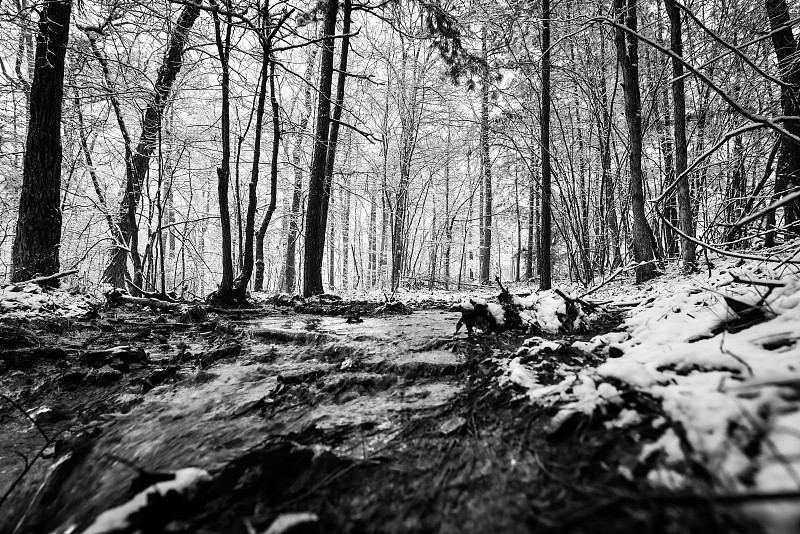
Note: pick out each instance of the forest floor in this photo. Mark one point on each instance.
(352, 416)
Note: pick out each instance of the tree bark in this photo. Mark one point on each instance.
(688, 252)
(608, 186)
(38, 234)
(786, 49)
(330, 159)
(345, 254)
(225, 293)
(663, 121)
(533, 217)
(331, 255)
(545, 270)
(258, 284)
(267, 73)
(628, 58)
(372, 239)
(315, 213)
(449, 218)
(486, 167)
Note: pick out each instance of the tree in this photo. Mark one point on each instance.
(486, 170)
(297, 192)
(316, 211)
(787, 49)
(545, 265)
(137, 159)
(38, 234)
(681, 146)
(628, 58)
(225, 292)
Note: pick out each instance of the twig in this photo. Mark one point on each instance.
(718, 250)
(608, 280)
(28, 464)
(772, 207)
(757, 282)
(739, 359)
(24, 412)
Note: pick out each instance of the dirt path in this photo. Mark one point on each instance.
(387, 425)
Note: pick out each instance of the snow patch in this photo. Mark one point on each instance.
(117, 518)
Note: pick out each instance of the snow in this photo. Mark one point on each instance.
(514, 372)
(33, 302)
(290, 522)
(116, 519)
(544, 310)
(730, 401)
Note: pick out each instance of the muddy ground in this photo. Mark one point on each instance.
(375, 420)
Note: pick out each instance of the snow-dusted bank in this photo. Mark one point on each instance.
(32, 301)
(720, 353)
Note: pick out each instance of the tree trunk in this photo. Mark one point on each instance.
(532, 218)
(611, 221)
(316, 211)
(140, 159)
(409, 125)
(297, 193)
(670, 210)
(267, 72)
(345, 254)
(545, 271)
(486, 167)
(786, 49)
(518, 255)
(628, 58)
(372, 239)
(449, 218)
(38, 234)
(331, 255)
(688, 254)
(330, 158)
(226, 291)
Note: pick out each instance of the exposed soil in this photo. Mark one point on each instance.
(375, 420)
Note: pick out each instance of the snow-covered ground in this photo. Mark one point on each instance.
(728, 383)
(32, 301)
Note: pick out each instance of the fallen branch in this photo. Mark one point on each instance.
(757, 282)
(720, 251)
(572, 301)
(143, 301)
(608, 280)
(155, 295)
(44, 280)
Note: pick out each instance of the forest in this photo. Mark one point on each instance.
(452, 148)
(236, 235)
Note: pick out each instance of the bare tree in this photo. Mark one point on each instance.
(628, 58)
(787, 49)
(38, 235)
(545, 262)
(316, 211)
(137, 160)
(681, 146)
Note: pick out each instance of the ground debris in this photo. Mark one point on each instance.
(394, 425)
